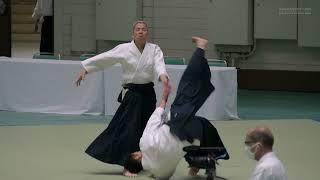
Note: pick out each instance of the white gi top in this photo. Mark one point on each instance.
(269, 167)
(161, 151)
(43, 8)
(136, 67)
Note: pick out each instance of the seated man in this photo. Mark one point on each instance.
(165, 136)
(258, 144)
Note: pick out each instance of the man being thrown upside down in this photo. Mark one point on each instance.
(162, 142)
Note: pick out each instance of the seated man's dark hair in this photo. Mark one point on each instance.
(133, 165)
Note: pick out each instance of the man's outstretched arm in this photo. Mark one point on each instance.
(166, 92)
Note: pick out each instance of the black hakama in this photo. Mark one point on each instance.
(46, 42)
(123, 134)
(193, 90)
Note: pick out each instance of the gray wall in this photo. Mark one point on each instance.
(172, 23)
(74, 29)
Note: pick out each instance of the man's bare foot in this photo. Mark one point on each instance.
(128, 173)
(200, 42)
(193, 171)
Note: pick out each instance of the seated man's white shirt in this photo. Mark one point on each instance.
(161, 150)
(269, 167)
(137, 67)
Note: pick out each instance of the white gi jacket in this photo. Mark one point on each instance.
(269, 167)
(137, 67)
(43, 8)
(161, 151)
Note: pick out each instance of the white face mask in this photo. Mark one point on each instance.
(248, 151)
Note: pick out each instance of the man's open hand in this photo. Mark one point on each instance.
(81, 77)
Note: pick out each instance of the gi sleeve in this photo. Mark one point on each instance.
(154, 122)
(37, 11)
(159, 65)
(149, 142)
(104, 60)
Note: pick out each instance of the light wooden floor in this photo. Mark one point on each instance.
(49, 152)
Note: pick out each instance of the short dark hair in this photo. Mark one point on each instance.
(133, 165)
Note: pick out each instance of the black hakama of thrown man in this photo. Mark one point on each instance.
(193, 90)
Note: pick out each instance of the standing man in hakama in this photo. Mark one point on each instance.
(141, 63)
(43, 14)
